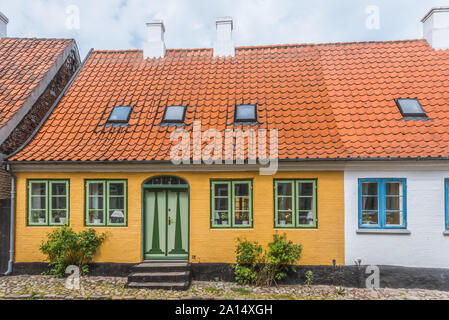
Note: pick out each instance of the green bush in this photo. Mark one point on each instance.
(309, 278)
(256, 266)
(65, 247)
(249, 256)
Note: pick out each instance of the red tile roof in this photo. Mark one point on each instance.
(23, 64)
(327, 101)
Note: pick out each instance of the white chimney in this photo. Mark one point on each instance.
(223, 45)
(3, 22)
(154, 46)
(436, 28)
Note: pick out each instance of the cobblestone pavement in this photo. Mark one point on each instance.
(49, 287)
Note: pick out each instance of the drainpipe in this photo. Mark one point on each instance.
(13, 219)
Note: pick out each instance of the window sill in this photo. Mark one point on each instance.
(383, 231)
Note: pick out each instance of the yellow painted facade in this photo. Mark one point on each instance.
(124, 244)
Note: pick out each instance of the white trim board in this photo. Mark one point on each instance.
(391, 166)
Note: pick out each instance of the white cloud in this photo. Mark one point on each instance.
(119, 24)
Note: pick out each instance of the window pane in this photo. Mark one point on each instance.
(410, 106)
(38, 188)
(120, 114)
(305, 203)
(241, 203)
(59, 203)
(96, 203)
(393, 188)
(394, 203)
(38, 203)
(369, 203)
(285, 203)
(174, 113)
(116, 216)
(285, 218)
(370, 218)
(393, 218)
(59, 216)
(305, 189)
(241, 218)
(38, 216)
(96, 217)
(221, 204)
(369, 188)
(116, 203)
(246, 112)
(58, 189)
(96, 189)
(241, 189)
(284, 189)
(221, 190)
(117, 189)
(305, 217)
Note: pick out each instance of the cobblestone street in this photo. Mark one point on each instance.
(49, 287)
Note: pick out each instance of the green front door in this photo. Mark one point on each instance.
(166, 224)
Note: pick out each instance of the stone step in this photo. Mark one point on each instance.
(176, 276)
(184, 285)
(161, 266)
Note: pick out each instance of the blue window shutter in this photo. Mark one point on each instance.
(446, 192)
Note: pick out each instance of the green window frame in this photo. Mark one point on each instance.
(106, 204)
(231, 204)
(295, 202)
(48, 202)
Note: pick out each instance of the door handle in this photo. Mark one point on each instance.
(169, 221)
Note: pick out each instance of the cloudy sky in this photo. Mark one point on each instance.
(120, 24)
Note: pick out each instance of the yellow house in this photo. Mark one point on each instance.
(203, 236)
(179, 153)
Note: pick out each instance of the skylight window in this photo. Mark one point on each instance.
(120, 114)
(245, 112)
(174, 114)
(410, 108)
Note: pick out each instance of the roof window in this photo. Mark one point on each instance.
(410, 108)
(245, 112)
(174, 114)
(120, 114)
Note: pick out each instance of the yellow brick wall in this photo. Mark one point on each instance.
(124, 244)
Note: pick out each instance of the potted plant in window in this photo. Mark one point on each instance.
(224, 218)
(37, 216)
(244, 217)
(58, 217)
(96, 218)
(283, 219)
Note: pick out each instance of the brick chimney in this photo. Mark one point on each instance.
(154, 46)
(224, 46)
(436, 27)
(3, 23)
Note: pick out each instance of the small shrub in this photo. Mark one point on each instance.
(281, 255)
(249, 256)
(309, 278)
(256, 266)
(65, 247)
(340, 291)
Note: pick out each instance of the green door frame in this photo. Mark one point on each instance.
(164, 187)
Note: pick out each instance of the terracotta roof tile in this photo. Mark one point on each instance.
(326, 101)
(23, 64)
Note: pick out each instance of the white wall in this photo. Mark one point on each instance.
(426, 246)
